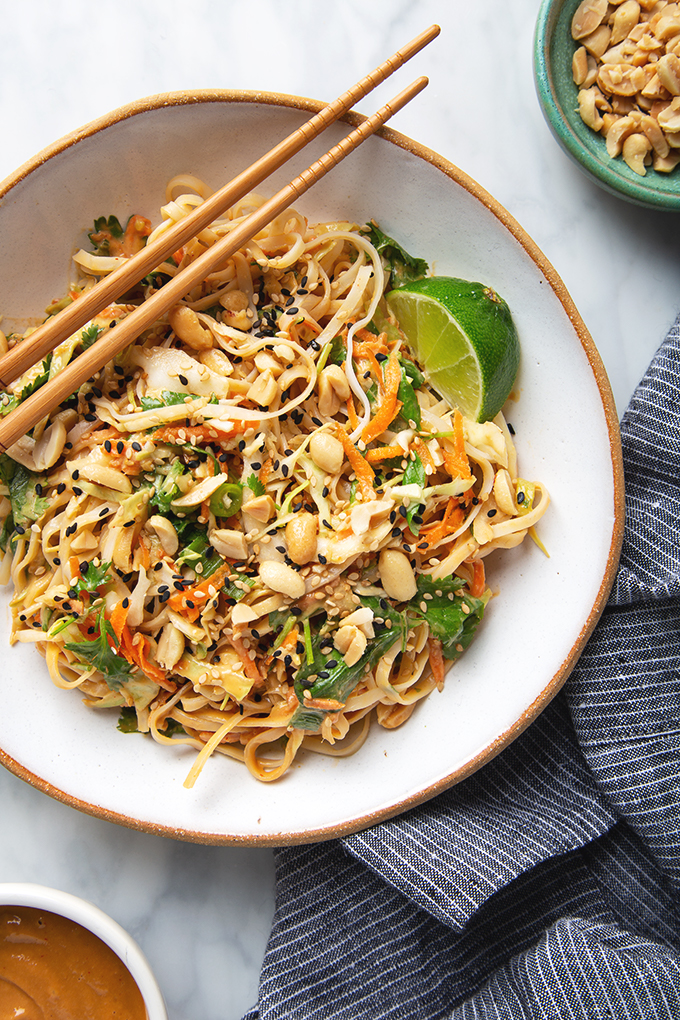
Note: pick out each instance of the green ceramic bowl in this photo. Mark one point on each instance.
(553, 51)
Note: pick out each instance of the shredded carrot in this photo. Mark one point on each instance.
(136, 654)
(451, 521)
(456, 460)
(383, 453)
(145, 555)
(265, 471)
(478, 579)
(378, 344)
(362, 469)
(351, 413)
(389, 405)
(436, 659)
(178, 255)
(118, 618)
(249, 667)
(425, 456)
(198, 594)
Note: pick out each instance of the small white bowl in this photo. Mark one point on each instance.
(26, 894)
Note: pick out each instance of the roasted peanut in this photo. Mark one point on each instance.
(282, 578)
(229, 543)
(167, 535)
(668, 70)
(587, 109)
(396, 575)
(264, 389)
(301, 533)
(170, 646)
(333, 389)
(351, 643)
(598, 41)
(184, 322)
(587, 17)
(327, 452)
(635, 148)
(626, 17)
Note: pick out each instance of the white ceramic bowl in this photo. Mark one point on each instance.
(567, 436)
(26, 894)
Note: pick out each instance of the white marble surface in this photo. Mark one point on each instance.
(202, 914)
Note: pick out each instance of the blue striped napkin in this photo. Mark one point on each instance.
(546, 885)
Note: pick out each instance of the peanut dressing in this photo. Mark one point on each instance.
(52, 968)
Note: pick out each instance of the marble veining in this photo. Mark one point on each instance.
(202, 914)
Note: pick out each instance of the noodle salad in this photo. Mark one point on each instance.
(259, 527)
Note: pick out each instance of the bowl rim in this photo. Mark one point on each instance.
(87, 915)
(458, 176)
(607, 175)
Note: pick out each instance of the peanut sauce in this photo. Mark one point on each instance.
(52, 968)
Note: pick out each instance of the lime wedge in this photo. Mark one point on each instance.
(463, 337)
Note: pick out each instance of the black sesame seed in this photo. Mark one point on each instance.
(38, 489)
(164, 597)
(158, 566)
(61, 488)
(137, 446)
(322, 559)
(90, 417)
(491, 513)
(317, 422)
(126, 603)
(129, 524)
(77, 491)
(120, 446)
(183, 379)
(325, 491)
(107, 445)
(190, 604)
(520, 497)
(511, 429)
(75, 475)
(295, 611)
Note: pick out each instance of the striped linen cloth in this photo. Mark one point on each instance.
(546, 885)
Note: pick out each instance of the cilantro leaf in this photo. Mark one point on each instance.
(452, 614)
(89, 335)
(255, 486)
(400, 267)
(99, 653)
(127, 720)
(105, 231)
(92, 579)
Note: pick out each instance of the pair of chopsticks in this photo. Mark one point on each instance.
(65, 323)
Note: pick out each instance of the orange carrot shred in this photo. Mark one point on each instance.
(362, 469)
(383, 453)
(478, 579)
(390, 405)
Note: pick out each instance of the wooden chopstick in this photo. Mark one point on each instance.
(65, 324)
(40, 403)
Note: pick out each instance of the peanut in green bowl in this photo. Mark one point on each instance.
(558, 97)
